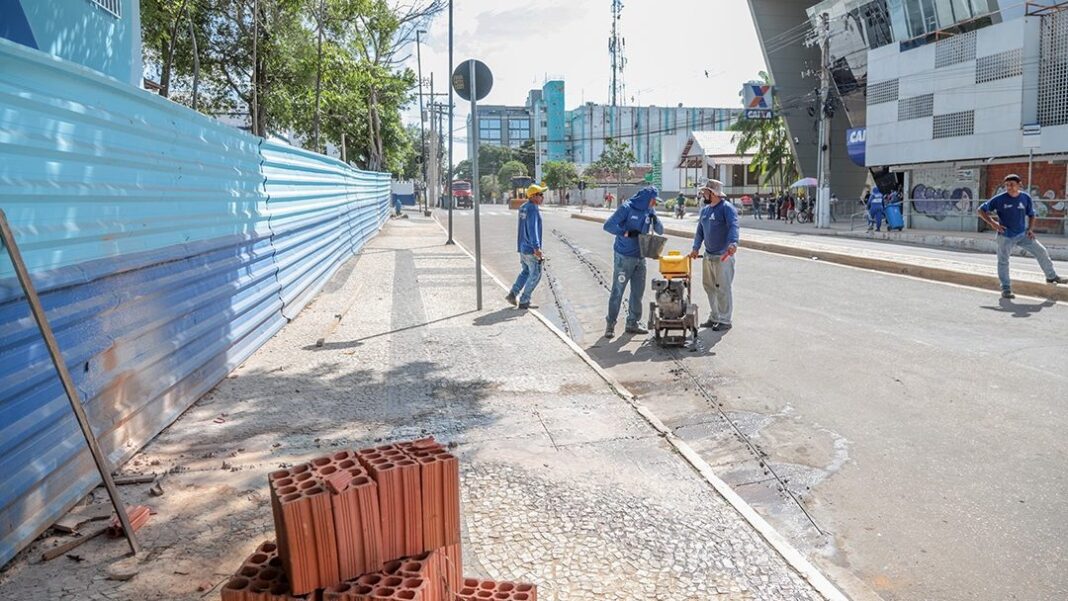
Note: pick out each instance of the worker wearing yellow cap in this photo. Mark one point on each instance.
(529, 246)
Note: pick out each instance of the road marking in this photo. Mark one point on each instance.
(792, 556)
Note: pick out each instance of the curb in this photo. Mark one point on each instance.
(937, 274)
(792, 556)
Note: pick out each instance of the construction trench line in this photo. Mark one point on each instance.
(796, 560)
(706, 394)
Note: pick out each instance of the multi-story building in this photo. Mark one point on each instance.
(580, 135)
(951, 96)
(104, 35)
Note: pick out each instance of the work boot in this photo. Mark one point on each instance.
(510, 299)
(1007, 294)
(1057, 280)
(709, 323)
(610, 331)
(635, 329)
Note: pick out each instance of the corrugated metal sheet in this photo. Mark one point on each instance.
(166, 248)
(321, 212)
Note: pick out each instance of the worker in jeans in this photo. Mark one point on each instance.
(717, 230)
(529, 246)
(1015, 227)
(632, 219)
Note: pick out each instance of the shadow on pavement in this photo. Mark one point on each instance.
(347, 344)
(1020, 309)
(610, 353)
(499, 316)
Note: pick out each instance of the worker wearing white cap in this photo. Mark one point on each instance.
(717, 231)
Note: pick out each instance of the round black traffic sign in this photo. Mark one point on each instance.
(483, 80)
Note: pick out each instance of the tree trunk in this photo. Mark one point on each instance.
(318, 77)
(374, 155)
(168, 61)
(196, 60)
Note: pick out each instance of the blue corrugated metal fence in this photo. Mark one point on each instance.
(166, 248)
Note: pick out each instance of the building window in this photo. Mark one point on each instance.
(915, 108)
(112, 6)
(957, 49)
(999, 66)
(737, 176)
(884, 91)
(953, 124)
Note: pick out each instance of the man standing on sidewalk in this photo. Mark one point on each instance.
(717, 229)
(529, 243)
(1015, 227)
(632, 219)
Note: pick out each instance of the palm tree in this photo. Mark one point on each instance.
(773, 156)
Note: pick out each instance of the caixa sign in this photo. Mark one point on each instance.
(855, 143)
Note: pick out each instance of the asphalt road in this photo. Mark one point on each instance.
(909, 436)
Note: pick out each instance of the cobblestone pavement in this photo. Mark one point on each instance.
(564, 484)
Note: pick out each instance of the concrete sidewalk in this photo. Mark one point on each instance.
(565, 482)
(965, 269)
(980, 242)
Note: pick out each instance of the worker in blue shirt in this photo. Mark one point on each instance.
(529, 246)
(632, 219)
(876, 210)
(1015, 227)
(717, 230)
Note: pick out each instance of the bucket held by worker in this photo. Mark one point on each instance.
(651, 245)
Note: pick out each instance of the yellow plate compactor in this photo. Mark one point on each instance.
(672, 316)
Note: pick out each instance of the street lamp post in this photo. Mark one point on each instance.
(422, 132)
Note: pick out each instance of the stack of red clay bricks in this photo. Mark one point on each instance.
(375, 524)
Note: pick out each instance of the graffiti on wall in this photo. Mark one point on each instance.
(938, 203)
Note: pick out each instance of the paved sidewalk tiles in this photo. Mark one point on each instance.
(563, 485)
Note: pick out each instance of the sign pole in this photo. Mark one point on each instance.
(7, 237)
(475, 183)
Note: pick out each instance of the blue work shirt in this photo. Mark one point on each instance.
(633, 215)
(717, 228)
(529, 237)
(1012, 212)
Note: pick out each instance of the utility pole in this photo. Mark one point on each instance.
(823, 188)
(422, 133)
(432, 182)
(452, 157)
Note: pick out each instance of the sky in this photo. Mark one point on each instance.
(670, 44)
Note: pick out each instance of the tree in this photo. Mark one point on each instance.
(321, 69)
(768, 140)
(560, 175)
(508, 171)
(488, 187)
(616, 159)
(462, 170)
(526, 154)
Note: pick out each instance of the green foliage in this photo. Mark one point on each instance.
(560, 175)
(526, 154)
(488, 187)
(462, 170)
(616, 159)
(324, 69)
(509, 170)
(768, 139)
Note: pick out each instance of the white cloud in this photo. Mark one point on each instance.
(670, 44)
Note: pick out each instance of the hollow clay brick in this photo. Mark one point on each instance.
(138, 516)
(261, 578)
(474, 589)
